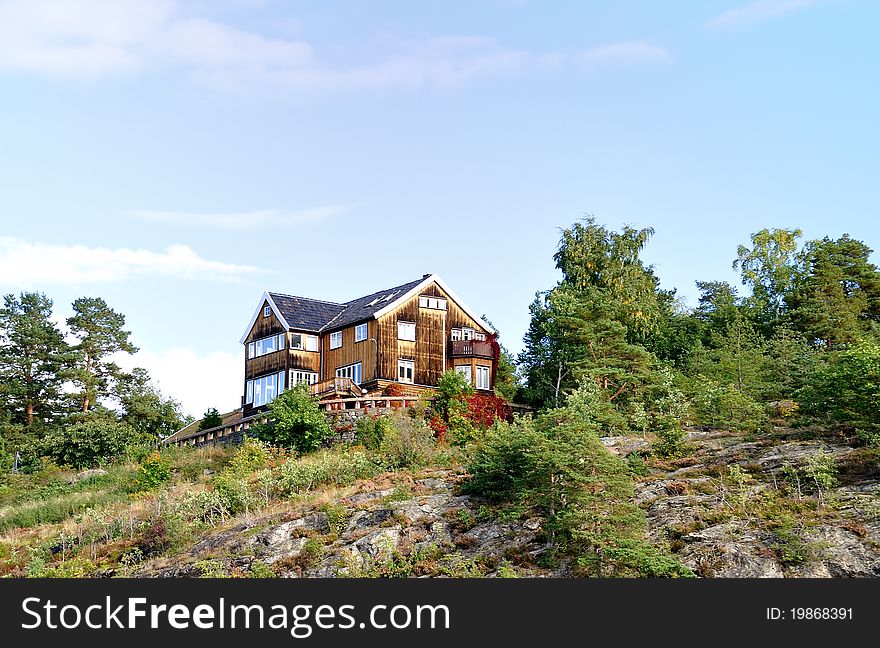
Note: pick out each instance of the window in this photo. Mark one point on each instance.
(352, 371)
(406, 331)
(437, 303)
(467, 334)
(360, 332)
(263, 346)
(465, 370)
(456, 335)
(479, 336)
(405, 371)
(302, 341)
(267, 310)
(262, 390)
(298, 376)
(482, 377)
(336, 340)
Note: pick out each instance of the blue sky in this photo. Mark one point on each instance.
(179, 157)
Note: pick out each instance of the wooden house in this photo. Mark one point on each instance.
(407, 335)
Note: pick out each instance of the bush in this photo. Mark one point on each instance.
(848, 390)
(407, 443)
(153, 471)
(298, 423)
(90, 442)
(370, 431)
(326, 468)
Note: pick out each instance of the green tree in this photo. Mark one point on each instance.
(593, 257)
(838, 300)
(146, 410)
(211, 419)
(34, 359)
(99, 331)
(770, 267)
(848, 389)
(295, 421)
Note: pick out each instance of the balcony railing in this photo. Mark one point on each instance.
(471, 348)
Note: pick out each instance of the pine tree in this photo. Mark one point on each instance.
(34, 359)
(99, 330)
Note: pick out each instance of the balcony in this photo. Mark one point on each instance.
(471, 349)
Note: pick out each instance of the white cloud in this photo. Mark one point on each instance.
(94, 38)
(240, 221)
(759, 11)
(625, 53)
(197, 381)
(23, 264)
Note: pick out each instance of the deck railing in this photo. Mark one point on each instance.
(467, 348)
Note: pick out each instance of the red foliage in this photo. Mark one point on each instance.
(440, 428)
(395, 389)
(484, 409)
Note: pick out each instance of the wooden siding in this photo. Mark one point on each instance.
(431, 336)
(351, 352)
(277, 361)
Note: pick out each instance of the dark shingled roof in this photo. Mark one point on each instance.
(317, 316)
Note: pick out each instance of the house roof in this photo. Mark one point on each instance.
(316, 316)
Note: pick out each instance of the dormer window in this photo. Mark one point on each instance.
(267, 311)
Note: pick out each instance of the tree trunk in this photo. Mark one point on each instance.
(30, 414)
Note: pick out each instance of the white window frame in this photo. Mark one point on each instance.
(406, 365)
(267, 311)
(484, 377)
(402, 331)
(258, 390)
(479, 336)
(336, 340)
(311, 343)
(465, 370)
(360, 332)
(467, 333)
(353, 371)
(455, 335)
(298, 376)
(255, 348)
(423, 301)
(434, 303)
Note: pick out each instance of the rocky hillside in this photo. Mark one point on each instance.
(752, 520)
(730, 508)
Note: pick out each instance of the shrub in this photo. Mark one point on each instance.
(848, 390)
(407, 443)
(153, 471)
(211, 419)
(370, 431)
(298, 423)
(485, 409)
(328, 467)
(90, 442)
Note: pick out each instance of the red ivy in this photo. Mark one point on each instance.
(484, 409)
(440, 428)
(394, 389)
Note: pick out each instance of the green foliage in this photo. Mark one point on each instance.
(821, 470)
(557, 465)
(770, 267)
(370, 432)
(154, 471)
(328, 467)
(297, 421)
(408, 443)
(100, 334)
(145, 409)
(667, 410)
(848, 390)
(34, 360)
(92, 441)
(724, 406)
(211, 419)
(452, 388)
(838, 299)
